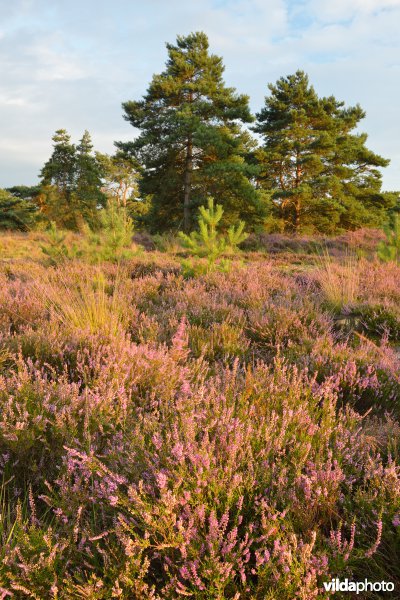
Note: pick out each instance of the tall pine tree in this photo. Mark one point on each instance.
(320, 174)
(58, 176)
(191, 143)
(88, 181)
(71, 182)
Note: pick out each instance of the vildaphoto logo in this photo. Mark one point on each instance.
(336, 585)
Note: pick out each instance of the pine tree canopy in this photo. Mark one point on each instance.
(25, 192)
(60, 169)
(88, 179)
(71, 182)
(320, 175)
(191, 143)
(16, 213)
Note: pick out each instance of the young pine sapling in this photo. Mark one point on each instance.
(209, 242)
(389, 249)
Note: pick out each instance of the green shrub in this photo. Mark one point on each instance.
(112, 242)
(208, 242)
(114, 239)
(378, 320)
(55, 247)
(389, 250)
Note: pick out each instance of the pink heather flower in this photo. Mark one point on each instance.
(178, 451)
(396, 520)
(374, 548)
(161, 479)
(186, 390)
(157, 441)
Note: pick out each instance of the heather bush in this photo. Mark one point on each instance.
(221, 436)
(19, 307)
(377, 321)
(222, 341)
(363, 242)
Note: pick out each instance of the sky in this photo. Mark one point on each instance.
(71, 63)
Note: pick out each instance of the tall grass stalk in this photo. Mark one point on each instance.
(340, 283)
(7, 517)
(90, 305)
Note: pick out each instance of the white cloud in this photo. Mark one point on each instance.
(326, 10)
(7, 100)
(53, 65)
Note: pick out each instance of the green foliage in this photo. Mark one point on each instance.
(389, 250)
(88, 181)
(16, 213)
(25, 192)
(113, 241)
(208, 242)
(378, 320)
(120, 177)
(321, 177)
(196, 267)
(71, 183)
(60, 168)
(191, 144)
(236, 235)
(55, 247)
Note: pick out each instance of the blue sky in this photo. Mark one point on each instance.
(71, 63)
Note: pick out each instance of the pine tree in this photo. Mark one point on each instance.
(191, 144)
(60, 169)
(88, 184)
(209, 241)
(320, 174)
(16, 213)
(71, 183)
(389, 250)
(115, 236)
(25, 192)
(58, 177)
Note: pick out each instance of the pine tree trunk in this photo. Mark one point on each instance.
(187, 185)
(298, 212)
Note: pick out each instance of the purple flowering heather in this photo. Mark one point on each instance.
(231, 437)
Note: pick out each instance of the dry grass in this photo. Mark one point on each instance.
(89, 305)
(340, 282)
(20, 245)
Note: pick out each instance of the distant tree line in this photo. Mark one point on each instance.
(307, 171)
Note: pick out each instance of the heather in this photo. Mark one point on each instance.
(219, 433)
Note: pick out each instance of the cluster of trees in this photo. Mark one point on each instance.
(308, 170)
(76, 183)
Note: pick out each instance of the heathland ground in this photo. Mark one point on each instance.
(172, 429)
